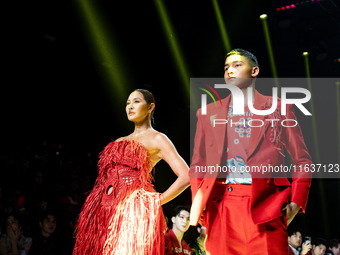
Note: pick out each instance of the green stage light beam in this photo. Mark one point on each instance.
(314, 126)
(223, 30)
(263, 18)
(105, 51)
(316, 143)
(174, 45)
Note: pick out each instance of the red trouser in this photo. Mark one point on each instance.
(231, 230)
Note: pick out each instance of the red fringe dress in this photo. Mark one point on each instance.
(123, 213)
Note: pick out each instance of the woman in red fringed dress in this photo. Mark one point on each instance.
(123, 213)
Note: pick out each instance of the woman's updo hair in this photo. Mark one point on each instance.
(149, 98)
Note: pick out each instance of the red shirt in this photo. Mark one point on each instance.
(173, 247)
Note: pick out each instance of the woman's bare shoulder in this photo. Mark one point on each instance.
(161, 138)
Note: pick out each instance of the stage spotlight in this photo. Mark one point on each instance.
(315, 138)
(263, 17)
(314, 126)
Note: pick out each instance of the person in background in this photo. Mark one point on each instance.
(319, 247)
(174, 243)
(13, 242)
(198, 245)
(334, 246)
(296, 247)
(45, 243)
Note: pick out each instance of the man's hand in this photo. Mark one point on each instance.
(306, 247)
(292, 210)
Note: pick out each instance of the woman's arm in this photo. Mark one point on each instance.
(169, 153)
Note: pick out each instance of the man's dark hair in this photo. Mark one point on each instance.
(318, 241)
(293, 231)
(180, 208)
(250, 56)
(44, 215)
(334, 243)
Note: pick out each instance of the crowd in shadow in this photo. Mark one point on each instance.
(42, 189)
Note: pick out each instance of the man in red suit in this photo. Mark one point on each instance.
(247, 212)
(174, 242)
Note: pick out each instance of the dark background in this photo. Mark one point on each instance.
(56, 101)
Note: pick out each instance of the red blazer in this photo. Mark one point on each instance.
(266, 144)
(173, 247)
